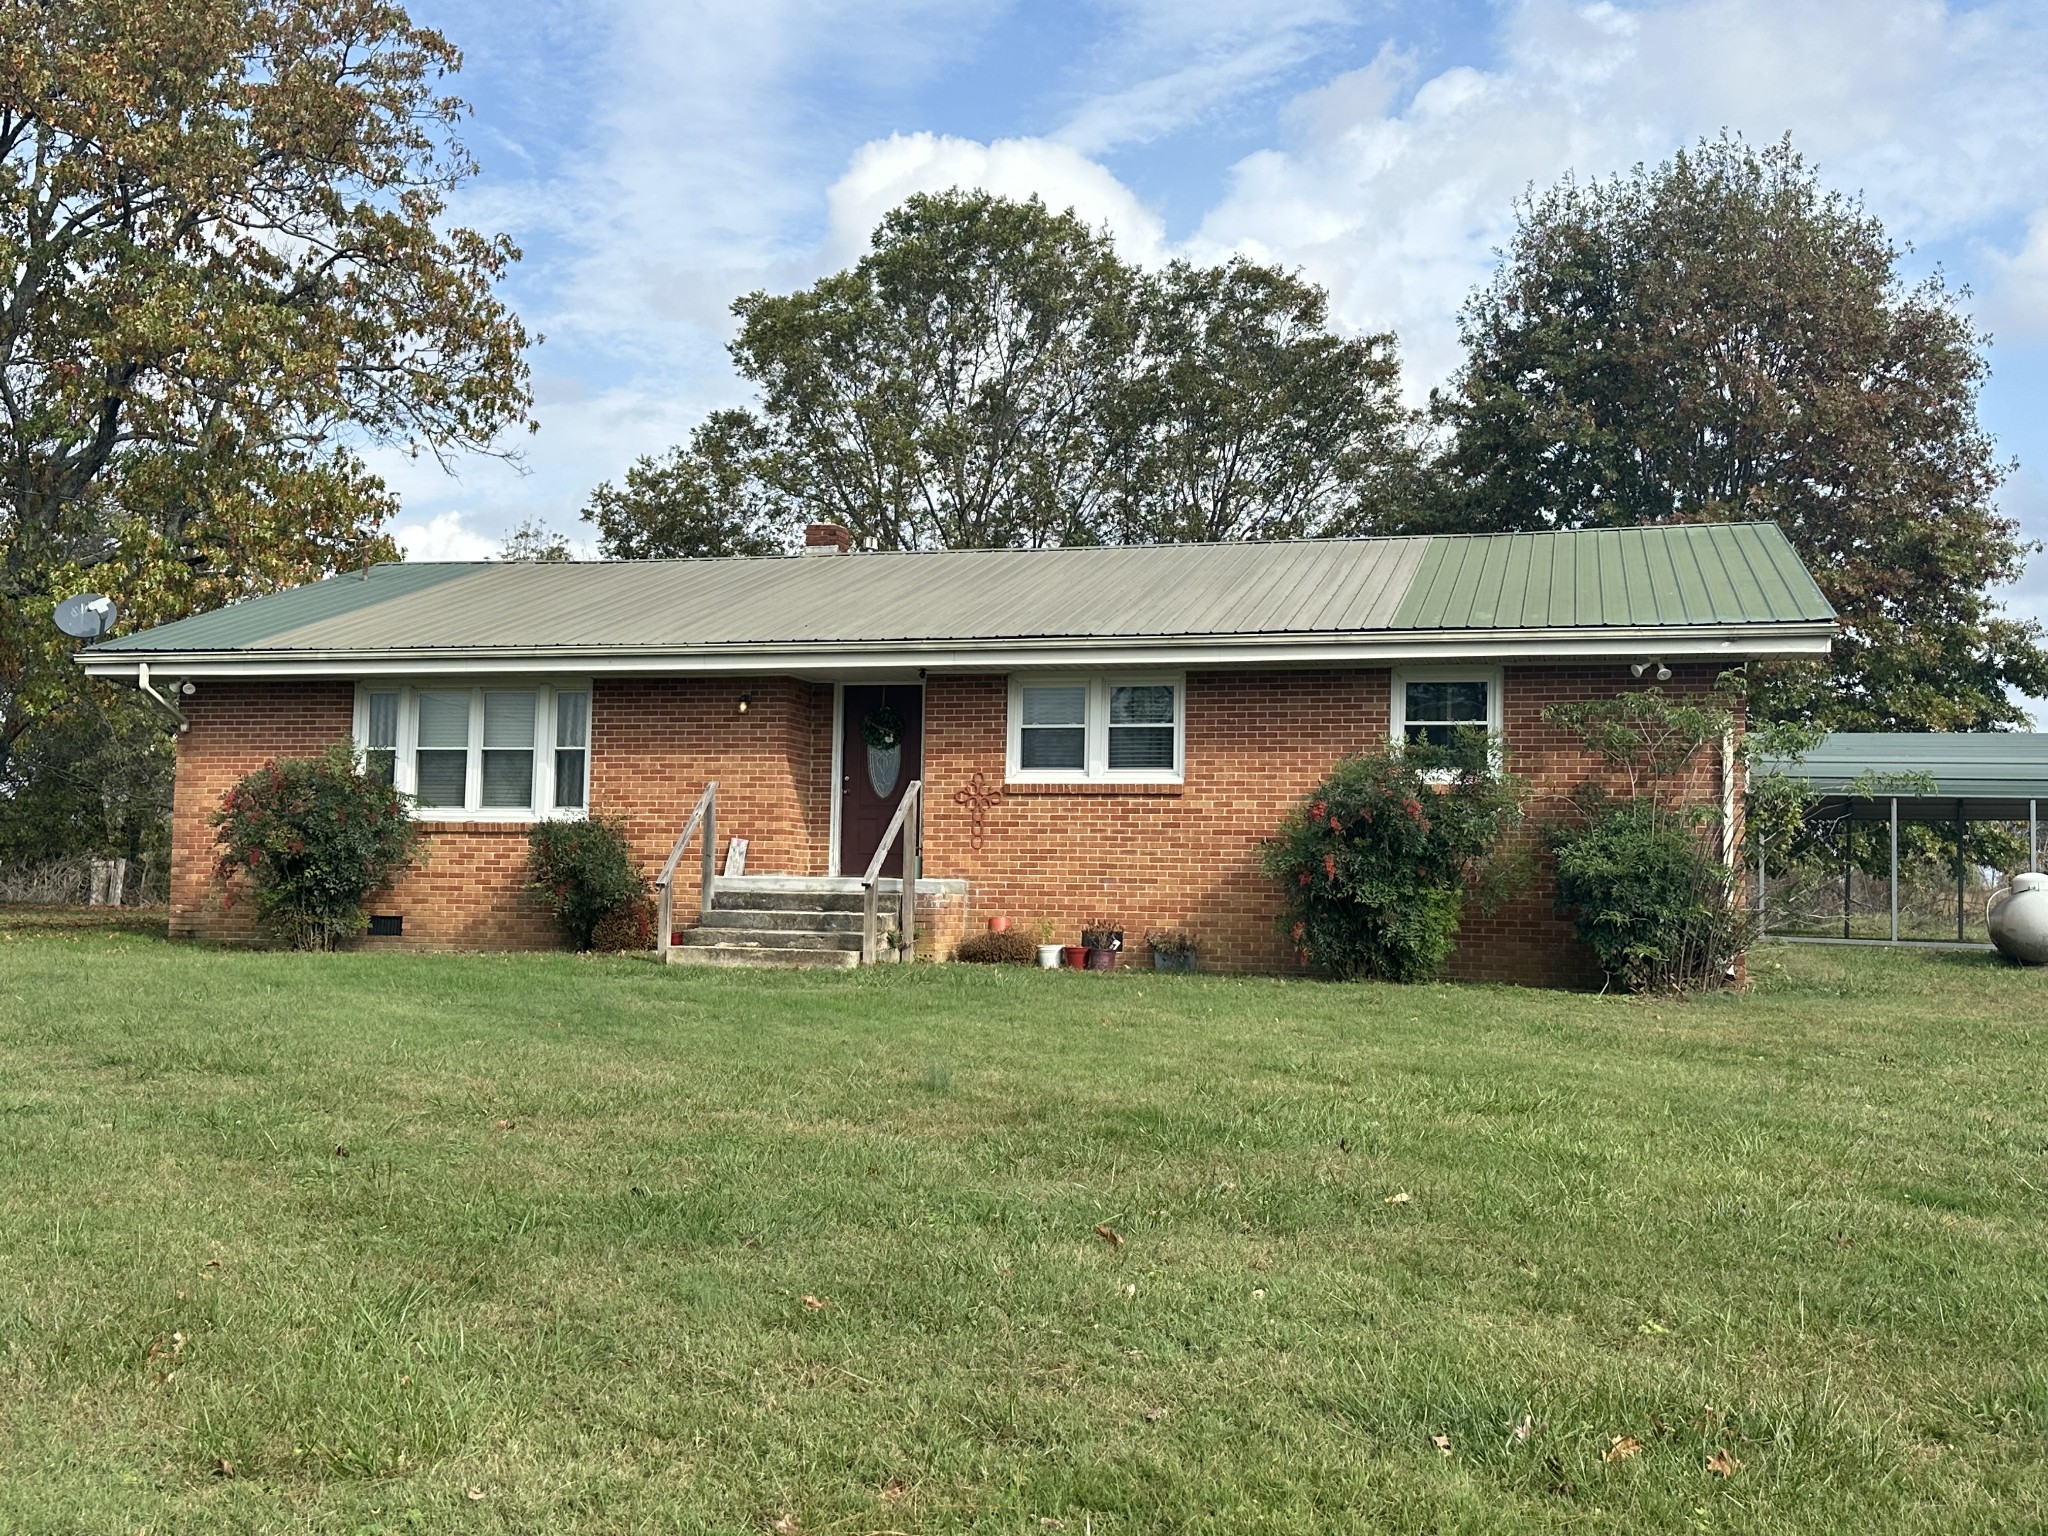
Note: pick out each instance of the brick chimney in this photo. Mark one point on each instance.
(827, 539)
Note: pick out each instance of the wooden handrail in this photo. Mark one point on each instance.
(706, 816)
(910, 811)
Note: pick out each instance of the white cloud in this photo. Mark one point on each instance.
(1397, 206)
(444, 536)
(883, 173)
(1170, 63)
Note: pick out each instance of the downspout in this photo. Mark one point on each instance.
(142, 683)
(1728, 841)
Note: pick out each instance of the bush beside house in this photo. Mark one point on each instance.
(312, 839)
(1375, 864)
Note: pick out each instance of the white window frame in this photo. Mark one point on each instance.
(1398, 708)
(1095, 768)
(405, 773)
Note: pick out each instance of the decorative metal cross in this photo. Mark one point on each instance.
(979, 797)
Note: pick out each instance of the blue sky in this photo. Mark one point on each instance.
(657, 159)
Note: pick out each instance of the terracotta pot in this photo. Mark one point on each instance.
(999, 925)
(1075, 956)
(1102, 959)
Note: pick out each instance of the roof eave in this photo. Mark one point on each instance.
(1723, 642)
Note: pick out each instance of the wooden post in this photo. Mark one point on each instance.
(708, 885)
(913, 833)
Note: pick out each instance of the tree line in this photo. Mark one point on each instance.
(226, 268)
(1716, 338)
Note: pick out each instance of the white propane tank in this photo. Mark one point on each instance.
(2018, 919)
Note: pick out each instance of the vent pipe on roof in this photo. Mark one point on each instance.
(827, 539)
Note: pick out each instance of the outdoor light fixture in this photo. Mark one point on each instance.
(745, 700)
(1658, 669)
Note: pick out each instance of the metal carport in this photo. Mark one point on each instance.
(1948, 778)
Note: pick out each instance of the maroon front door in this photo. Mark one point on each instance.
(872, 778)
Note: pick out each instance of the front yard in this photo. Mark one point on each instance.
(401, 1243)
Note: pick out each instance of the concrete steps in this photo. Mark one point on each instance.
(775, 921)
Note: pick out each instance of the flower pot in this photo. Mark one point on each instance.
(1048, 957)
(999, 925)
(1075, 956)
(1184, 961)
(1102, 959)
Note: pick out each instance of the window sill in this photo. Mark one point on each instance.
(1168, 790)
(458, 821)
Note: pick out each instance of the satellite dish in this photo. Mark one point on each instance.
(87, 616)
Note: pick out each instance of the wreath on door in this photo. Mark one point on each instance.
(882, 728)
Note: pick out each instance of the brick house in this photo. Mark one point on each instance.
(1102, 731)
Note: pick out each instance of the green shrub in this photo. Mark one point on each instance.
(313, 838)
(1635, 875)
(583, 869)
(1653, 903)
(997, 949)
(1376, 862)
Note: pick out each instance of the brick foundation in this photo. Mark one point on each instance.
(1150, 856)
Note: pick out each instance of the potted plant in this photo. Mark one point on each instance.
(1173, 949)
(1104, 941)
(1075, 956)
(1048, 951)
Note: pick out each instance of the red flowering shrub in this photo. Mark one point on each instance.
(1376, 862)
(312, 839)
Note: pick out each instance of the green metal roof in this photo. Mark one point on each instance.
(1722, 579)
(1972, 766)
(1710, 573)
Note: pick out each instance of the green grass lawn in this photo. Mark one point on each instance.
(546, 1244)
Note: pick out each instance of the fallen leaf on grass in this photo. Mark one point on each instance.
(1621, 1447)
(1442, 1444)
(1047, 1522)
(895, 1489)
(788, 1525)
(505, 1125)
(1401, 1198)
(813, 1304)
(1522, 1431)
(1130, 1291)
(1110, 1235)
(222, 1467)
(1560, 1485)
(1154, 1415)
(341, 1151)
(1721, 1464)
(473, 1494)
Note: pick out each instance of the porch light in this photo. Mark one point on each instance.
(746, 699)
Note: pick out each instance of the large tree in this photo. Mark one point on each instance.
(709, 498)
(993, 374)
(946, 390)
(1720, 338)
(1245, 417)
(224, 269)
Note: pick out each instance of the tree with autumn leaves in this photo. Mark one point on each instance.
(224, 270)
(1721, 338)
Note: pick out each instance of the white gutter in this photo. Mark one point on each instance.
(828, 658)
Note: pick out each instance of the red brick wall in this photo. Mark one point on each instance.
(1150, 856)
(1525, 940)
(235, 729)
(1186, 856)
(654, 744)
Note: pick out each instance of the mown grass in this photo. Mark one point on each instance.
(378, 1233)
